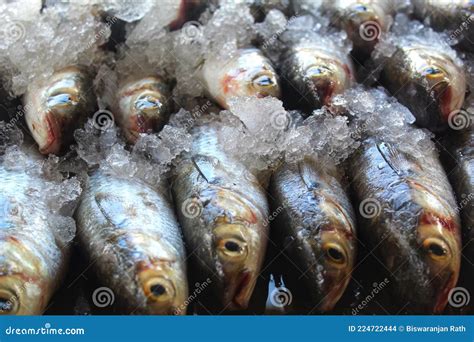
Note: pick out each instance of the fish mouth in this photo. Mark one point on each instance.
(53, 133)
(323, 90)
(243, 291)
(443, 297)
(441, 92)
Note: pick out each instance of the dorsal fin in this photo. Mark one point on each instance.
(308, 175)
(113, 209)
(206, 166)
(394, 158)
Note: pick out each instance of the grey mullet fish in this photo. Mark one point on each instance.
(32, 261)
(130, 232)
(317, 226)
(222, 209)
(408, 214)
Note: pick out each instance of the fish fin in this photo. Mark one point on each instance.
(112, 208)
(308, 175)
(206, 166)
(394, 158)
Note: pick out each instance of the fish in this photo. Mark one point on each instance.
(456, 16)
(222, 208)
(427, 82)
(314, 74)
(315, 220)
(363, 20)
(142, 106)
(56, 107)
(408, 218)
(130, 233)
(33, 261)
(247, 73)
(458, 158)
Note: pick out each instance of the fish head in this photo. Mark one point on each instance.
(323, 76)
(426, 261)
(248, 74)
(336, 248)
(142, 106)
(54, 109)
(165, 288)
(21, 290)
(438, 238)
(365, 21)
(444, 82)
(239, 248)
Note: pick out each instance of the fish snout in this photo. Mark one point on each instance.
(440, 250)
(164, 290)
(322, 84)
(239, 251)
(365, 26)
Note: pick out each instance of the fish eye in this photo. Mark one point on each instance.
(316, 71)
(432, 72)
(263, 81)
(334, 253)
(360, 8)
(61, 100)
(147, 103)
(232, 247)
(8, 304)
(436, 248)
(159, 290)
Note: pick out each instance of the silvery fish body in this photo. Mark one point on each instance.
(130, 233)
(409, 217)
(223, 211)
(316, 223)
(33, 260)
(56, 107)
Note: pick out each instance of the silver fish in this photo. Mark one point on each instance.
(428, 82)
(33, 261)
(131, 234)
(222, 209)
(317, 223)
(58, 106)
(247, 73)
(409, 217)
(142, 106)
(315, 73)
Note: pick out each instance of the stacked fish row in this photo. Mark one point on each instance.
(144, 243)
